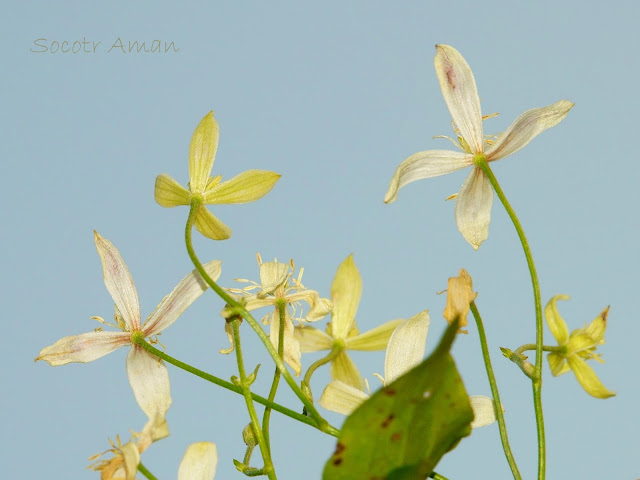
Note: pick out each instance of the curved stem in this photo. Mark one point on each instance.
(537, 381)
(266, 417)
(545, 348)
(318, 363)
(497, 405)
(245, 385)
(321, 423)
(143, 470)
(139, 340)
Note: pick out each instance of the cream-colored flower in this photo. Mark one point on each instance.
(245, 187)
(147, 374)
(405, 350)
(460, 294)
(576, 348)
(473, 204)
(199, 462)
(277, 284)
(342, 332)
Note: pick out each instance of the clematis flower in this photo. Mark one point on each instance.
(199, 462)
(576, 348)
(460, 294)
(245, 187)
(277, 284)
(405, 350)
(342, 332)
(473, 204)
(147, 374)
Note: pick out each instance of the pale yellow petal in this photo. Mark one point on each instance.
(555, 322)
(83, 348)
(312, 339)
(588, 378)
(375, 339)
(169, 193)
(557, 364)
(318, 307)
(473, 208)
(483, 411)
(209, 225)
(131, 459)
(119, 282)
(346, 290)
(272, 275)
(185, 293)
(598, 326)
(202, 152)
(246, 187)
(291, 347)
(343, 369)
(427, 164)
(460, 294)
(341, 398)
(526, 127)
(461, 94)
(406, 346)
(199, 462)
(149, 380)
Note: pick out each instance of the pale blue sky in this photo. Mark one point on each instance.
(333, 97)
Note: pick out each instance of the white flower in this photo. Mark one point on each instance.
(147, 374)
(405, 350)
(473, 204)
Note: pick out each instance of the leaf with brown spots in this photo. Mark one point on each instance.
(404, 429)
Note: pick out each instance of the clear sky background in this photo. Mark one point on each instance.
(333, 97)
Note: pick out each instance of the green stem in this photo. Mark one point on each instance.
(318, 363)
(497, 405)
(266, 417)
(139, 340)
(245, 384)
(546, 348)
(437, 476)
(143, 470)
(321, 423)
(481, 162)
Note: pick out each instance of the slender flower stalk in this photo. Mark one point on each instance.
(497, 405)
(537, 377)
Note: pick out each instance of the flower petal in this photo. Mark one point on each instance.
(460, 294)
(597, 327)
(83, 348)
(246, 187)
(169, 193)
(343, 369)
(556, 324)
(119, 282)
(374, 339)
(149, 380)
(483, 411)
(346, 290)
(461, 95)
(209, 225)
(406, 346)
(199, 462)
(318, 307)
(588, 378)
(202, 152)
(180, 298)
(473, 208)
(526, 127)
(341, 398)
(272, 275)
(131, 459)
(312, 340)
(427, 164)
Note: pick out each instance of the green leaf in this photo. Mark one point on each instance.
(403, 430)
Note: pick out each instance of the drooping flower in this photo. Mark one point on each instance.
(405, 350)
(576, 348)
(147, 374)
(245, 187)
(460, 294)
(277, 284)
(473, 204)
(342, 332)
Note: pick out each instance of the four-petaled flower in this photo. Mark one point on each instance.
(245, 187)
(147, 374)
(405, 350)
(473, 204)
(277, 284)
(576, 348)
(342, 332)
